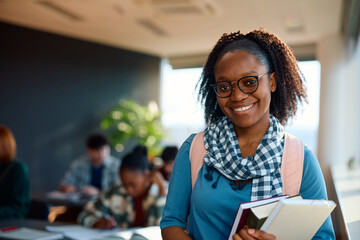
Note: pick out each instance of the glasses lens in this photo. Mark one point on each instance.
(223, 89)
(248, 84)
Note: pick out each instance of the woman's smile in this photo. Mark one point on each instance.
(242, 109)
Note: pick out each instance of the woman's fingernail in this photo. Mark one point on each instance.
(251, 231)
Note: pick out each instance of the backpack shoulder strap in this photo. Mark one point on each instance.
(196, 155)
(292, 164)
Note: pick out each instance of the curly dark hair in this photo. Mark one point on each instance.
(137, 160)
(270, 51)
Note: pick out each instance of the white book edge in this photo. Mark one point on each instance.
(288, 202)
(247, 205)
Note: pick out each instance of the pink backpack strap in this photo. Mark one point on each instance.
(196, 155)
(292, 164)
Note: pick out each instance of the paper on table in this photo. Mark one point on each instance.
(151, 233)
(78, 232)
(146, 233)
(64, 196)
(65, 228)
(88, 234)
(30, 234)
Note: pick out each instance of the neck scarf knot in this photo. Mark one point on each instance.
(263, 168)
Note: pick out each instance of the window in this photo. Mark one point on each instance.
(306, 123)
(181, 112)
(183, 115)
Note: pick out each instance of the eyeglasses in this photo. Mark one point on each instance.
(247, 84)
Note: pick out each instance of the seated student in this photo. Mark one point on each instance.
(137, 201)
(14, 179)
(92, 173)
(168, 156)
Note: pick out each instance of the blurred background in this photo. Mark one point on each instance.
(65, 64)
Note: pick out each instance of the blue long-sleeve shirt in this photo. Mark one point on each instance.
(210, 209)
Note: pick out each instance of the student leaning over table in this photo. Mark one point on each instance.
(250, 86)
(138, 201)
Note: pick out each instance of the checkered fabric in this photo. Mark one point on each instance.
(117, 203)
(263, 168)
(79, 172)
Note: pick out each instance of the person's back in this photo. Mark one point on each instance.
(14, 179)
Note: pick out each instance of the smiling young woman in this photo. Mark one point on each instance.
(250, 86)
(249, 112)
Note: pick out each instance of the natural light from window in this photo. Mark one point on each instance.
(183, 115)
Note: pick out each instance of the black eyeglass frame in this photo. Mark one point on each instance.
(214, 85)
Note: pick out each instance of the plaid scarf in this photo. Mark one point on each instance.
(263, 168)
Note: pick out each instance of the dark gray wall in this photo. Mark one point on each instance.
(54, 91)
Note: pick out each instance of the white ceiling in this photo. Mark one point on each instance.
(170, 28)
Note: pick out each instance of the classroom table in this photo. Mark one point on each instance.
(30, 223)
(56, 198)
(72, 203)
(79, 232)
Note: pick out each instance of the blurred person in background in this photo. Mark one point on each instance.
(168, 157)
(14, 179)
(94, 172)
(138, 201)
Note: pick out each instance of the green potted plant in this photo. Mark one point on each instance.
(130, 122)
